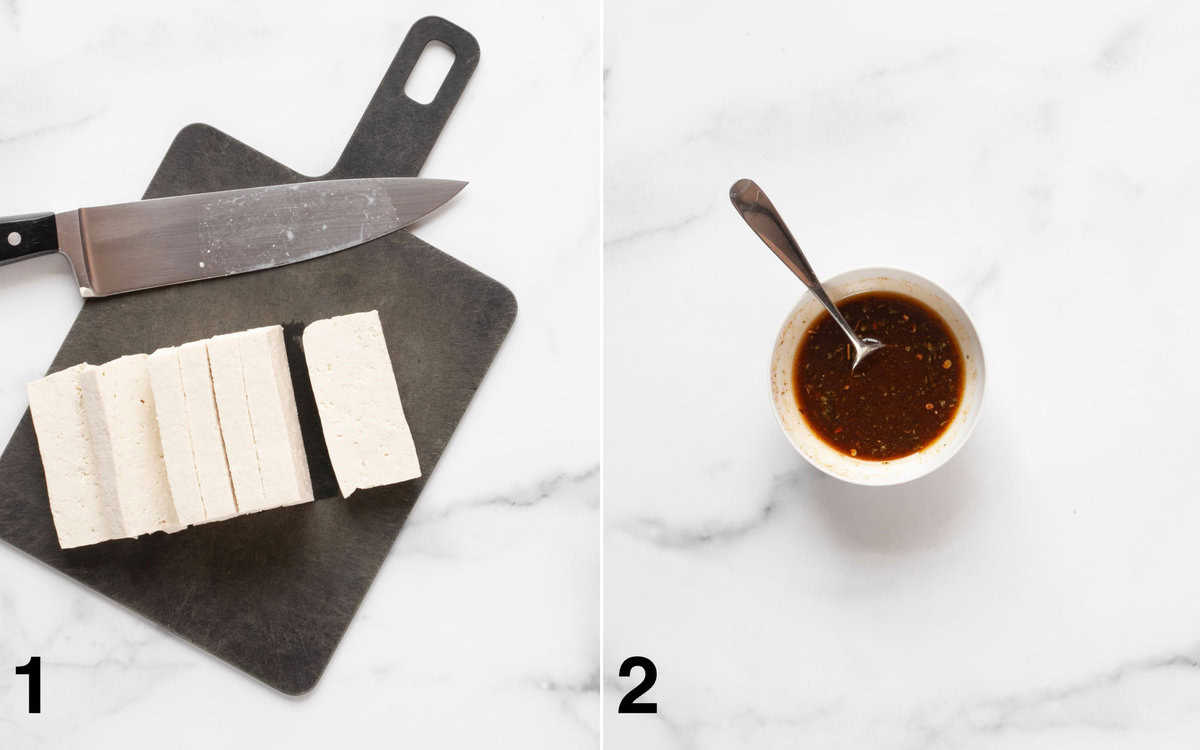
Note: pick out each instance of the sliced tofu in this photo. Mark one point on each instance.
(212, 471)
(359, 404)
(83, 513)
(170, 410)
(273, 418)
(119, 404)
(229, 390)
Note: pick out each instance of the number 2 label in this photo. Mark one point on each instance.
(629, 704)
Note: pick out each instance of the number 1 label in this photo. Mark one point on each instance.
(33, 670)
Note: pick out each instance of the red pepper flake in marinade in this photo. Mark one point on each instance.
(901, 398)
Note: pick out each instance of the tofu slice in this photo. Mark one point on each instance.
(212, 470)
(119, 404)
(170, 410)
(273, 418)
(83, 514)
(229, 391)
(359, 404)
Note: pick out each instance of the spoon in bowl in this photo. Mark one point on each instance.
(758, 212)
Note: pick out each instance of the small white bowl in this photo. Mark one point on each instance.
(819, 453)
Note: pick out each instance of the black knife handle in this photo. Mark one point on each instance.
(30, 234)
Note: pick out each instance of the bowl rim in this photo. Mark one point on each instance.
(934, 455)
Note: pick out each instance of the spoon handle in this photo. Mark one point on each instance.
(759, 213)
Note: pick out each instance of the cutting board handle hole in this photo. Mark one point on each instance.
(429, 73)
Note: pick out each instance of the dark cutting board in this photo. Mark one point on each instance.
(273, 593)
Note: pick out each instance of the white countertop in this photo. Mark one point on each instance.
(484, 621)
(1040, 163)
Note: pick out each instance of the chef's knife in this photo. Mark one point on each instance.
(130, 246)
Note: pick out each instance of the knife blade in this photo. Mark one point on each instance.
(130, 246)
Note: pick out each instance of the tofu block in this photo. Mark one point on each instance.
(212, 471)
(170, 411)
(83, 514)
(359, 404)
(229, 391)
(119, 404)
(273, 418)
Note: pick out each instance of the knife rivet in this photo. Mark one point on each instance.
(14, 238)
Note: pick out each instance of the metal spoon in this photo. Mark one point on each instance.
(757, 211)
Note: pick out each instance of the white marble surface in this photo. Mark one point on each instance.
(1039, 160)
(483, 625)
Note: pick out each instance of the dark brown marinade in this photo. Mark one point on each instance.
(901, 398)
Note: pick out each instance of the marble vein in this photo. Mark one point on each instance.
(569, 693)
(658, 230)
(982, 282)
(551, 488)
(1024, 712)
(1120, 47)
(920, 64)
(52, 128)
(661, 532)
